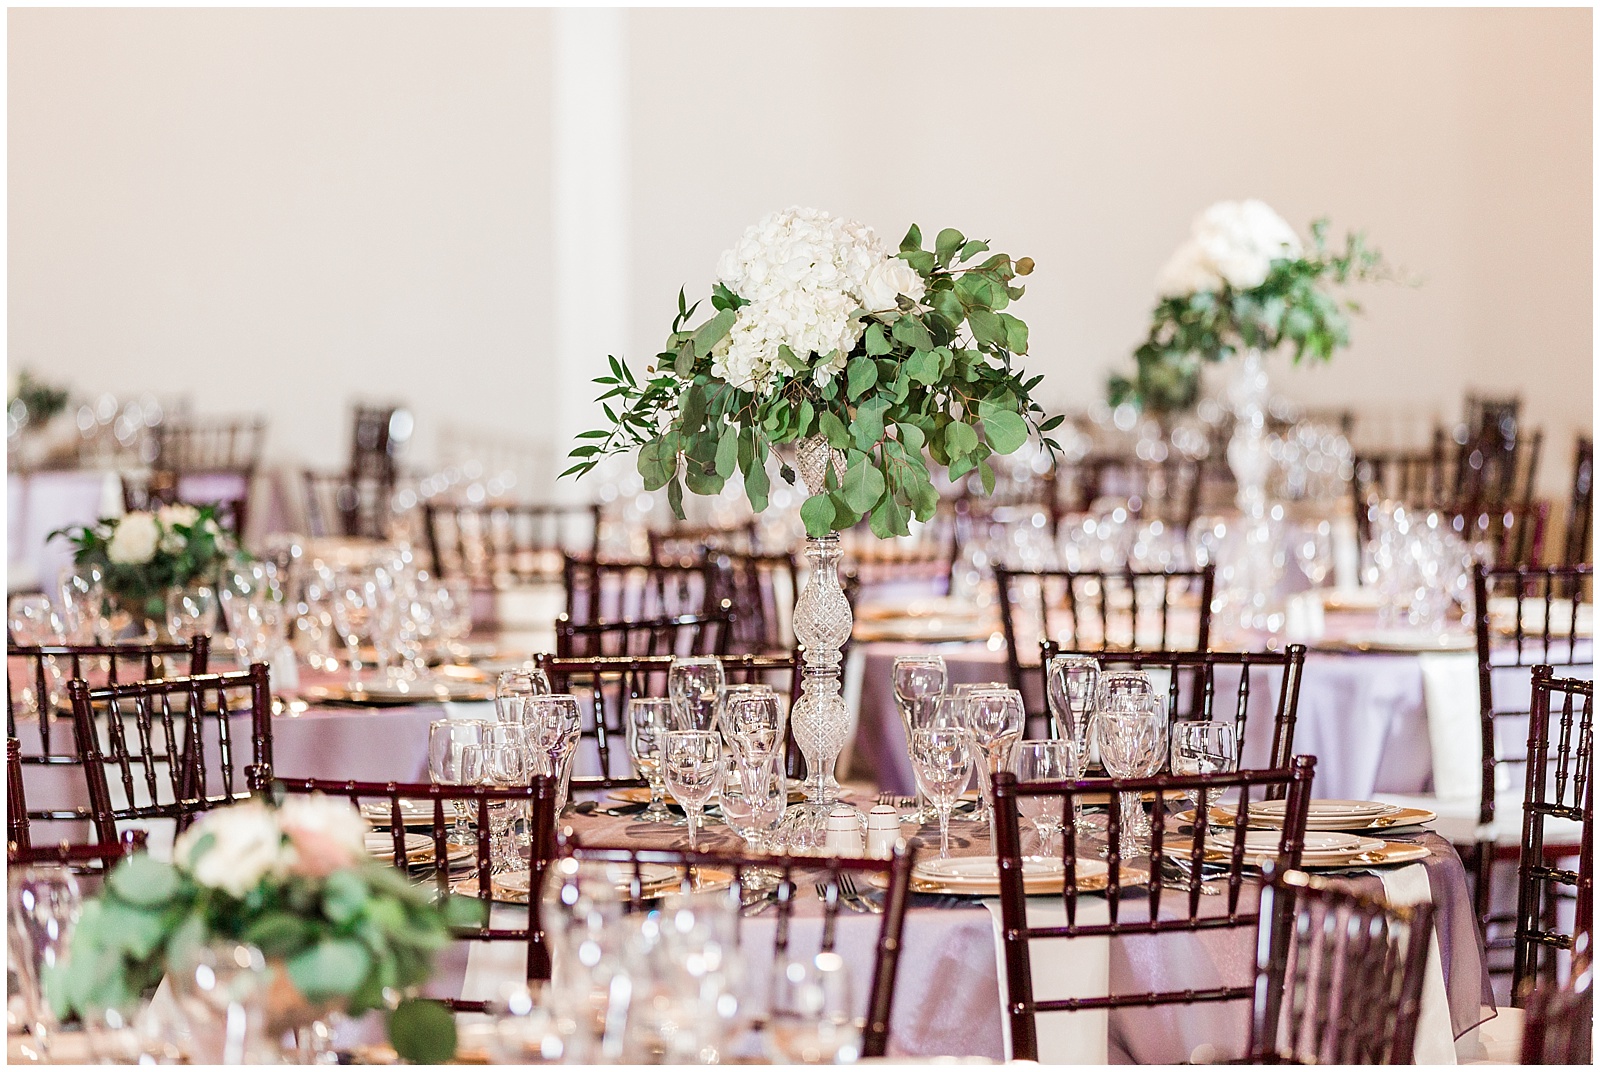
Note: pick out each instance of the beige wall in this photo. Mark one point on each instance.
(360, 200)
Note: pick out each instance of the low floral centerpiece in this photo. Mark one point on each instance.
(341, 929)
(144, 554)
(873, 361)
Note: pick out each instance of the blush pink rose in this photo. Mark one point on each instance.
(325, 835)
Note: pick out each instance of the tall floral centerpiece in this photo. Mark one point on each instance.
(1244, 285)
(873, 362)
(337, 928)
(143, 555)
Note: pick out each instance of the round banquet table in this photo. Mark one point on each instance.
(948, 999)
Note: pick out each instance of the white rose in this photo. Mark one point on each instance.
(1242, 239)
(1188, 271)
(178, 514)
(245, 845)
(134, 541)
(887, 281)
(174, 542)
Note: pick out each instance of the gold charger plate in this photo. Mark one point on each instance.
(705, 880)
(383, 696)
(638, 794)
(1402, 817)
(1092, 875)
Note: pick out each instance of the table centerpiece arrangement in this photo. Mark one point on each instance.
(874, 363)
(143, 555)
(335, 927)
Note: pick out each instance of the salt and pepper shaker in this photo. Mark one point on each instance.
(883, 831)
(844, 832)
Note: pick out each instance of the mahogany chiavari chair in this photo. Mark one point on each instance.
(762, 590)
(796, 875)
(1193, 695)
(1560, 790)
(689, 634)
(39, 714)
(378, 432)
(1578, 539)
(339, 504)
(391, 807)
(498, 546)
(605, 683)
(1094, 610)
(1558, 1028)
(170, 744)
(1168, 489)
(22, 852)
(1148, 912)
(600, 589)
(1523, 617)
(1338, 974)
(685, 540)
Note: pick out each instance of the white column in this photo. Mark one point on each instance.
(589, 205)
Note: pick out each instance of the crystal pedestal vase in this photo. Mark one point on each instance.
(1254, 575)
(822, 624)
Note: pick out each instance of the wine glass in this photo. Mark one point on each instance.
(695, 685)
(648, 722)
(514, 688)
(752, 721)
(45, 903)
(942, 762)
(694, 771)
(452, 609)
(813, 1020)
(1074, 685)
(455, 757)
(1203, 748)
(1313, 551)
(1044, 761)
(31, 621)
(555, 724)
(506, 762)
(917, 679)
(1120, 686)
(83, 596)
(995, 718)
(191, 612)
(1132, 738)
(752, 801)
(354, 615)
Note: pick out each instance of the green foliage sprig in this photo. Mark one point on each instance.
(38, 401)
(938, 379)
(1293, 306)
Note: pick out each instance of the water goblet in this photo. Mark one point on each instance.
(191, 612)
(455, 758)
(1044, 761)
(695, 685)
(917, 678)
(694, 767)
(752, 720)
(1203, 748)
(31, 621)
(83, 597)
(1120, 686)
(354, 615)
(1074, 685)
(45, 903)
(649, 720)
(555, 724)
(941, 759)
(753, 798)
(1313, 551)
(506, 762)
(1132, 738)
(996, 720)
(813, 1017)
(513, 689)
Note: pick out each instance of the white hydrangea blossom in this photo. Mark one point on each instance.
(806, 275)
(1233, 242)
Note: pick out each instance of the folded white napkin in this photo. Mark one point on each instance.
(1450, 693)
(1065, 1038)
(1435, 1042)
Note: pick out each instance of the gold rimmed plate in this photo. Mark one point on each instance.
(1396, 818)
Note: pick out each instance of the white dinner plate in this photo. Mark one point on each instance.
(1319, 843)
(1326, 809)
(985, 870)
(381, 844)
(412, 812)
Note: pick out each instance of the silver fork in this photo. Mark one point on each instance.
(844, 898)
(853, 895)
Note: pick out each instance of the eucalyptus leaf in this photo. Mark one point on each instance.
(817, 513)
(142, 880)
(332, 968)
(423, 1032)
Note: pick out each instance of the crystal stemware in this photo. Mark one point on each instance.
(754, 795)
(1044, 761)
(752, 720)
(1313, 551)
(1203, 748)
(649, 720)
(917, 679)
(1132, 738)
(694, 767)
(813, 1015)
(31, 621)
(455, 758)
(996, 719)
(514, 688)
(1074, 685)
(45, 903)
(354, 614)
(941, 759)
(506, 763)
(83, 597)
(695, 685)
(191, 612)
(555, 725)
